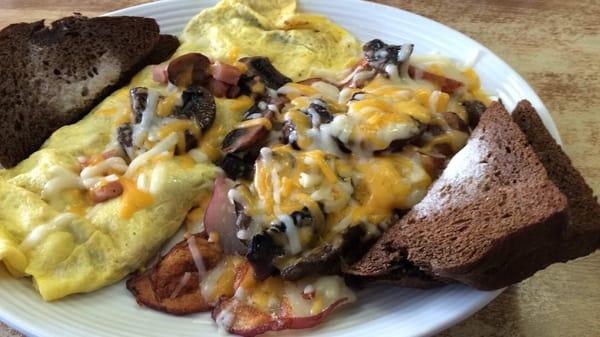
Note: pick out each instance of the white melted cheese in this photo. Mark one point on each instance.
(294, 247)
(143, 182)
(165, 145)
(197, 256)
(182, 282)
(327, 90)
(159, 174)
(62, 179)
(61, 222)
(433, 100)
(91, 175)
(149, 118)
(209, 282)
(198, 156)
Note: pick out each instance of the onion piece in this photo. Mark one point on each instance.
(221, 217)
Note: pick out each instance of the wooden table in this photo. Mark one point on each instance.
(555, 46)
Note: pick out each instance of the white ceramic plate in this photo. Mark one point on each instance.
(379, 311)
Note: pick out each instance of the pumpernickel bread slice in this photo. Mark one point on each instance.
(582, 236)
(490, 220)
(52, 76)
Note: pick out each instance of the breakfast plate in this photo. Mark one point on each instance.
(381, 310)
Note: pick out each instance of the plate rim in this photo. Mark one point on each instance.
(21, 324)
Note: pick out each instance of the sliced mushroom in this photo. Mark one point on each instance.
(318, 113)
(198, 105)
(248, 138)
(433, 163)
(138, 97)
(262, 250)
(236, 167)
(455, 122)
(262, 67)
(303, 218)
(189, 69)
(379, 55)
(398, 145)
(243, 139)
(474, 109)
(326, 258)
(125, 138)
(191, 142)
(251, 86)
(267, 247)
(288, 134)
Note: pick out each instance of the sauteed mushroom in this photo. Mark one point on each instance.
(199, 105)
(262, 67)
(189, 69)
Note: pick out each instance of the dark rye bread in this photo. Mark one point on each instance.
(489, 221)
(582, 236)
(52, 76)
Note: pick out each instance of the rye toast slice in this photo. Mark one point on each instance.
(490, 220)
(52, 76)
(582, 236)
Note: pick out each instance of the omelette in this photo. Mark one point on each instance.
(101, 196)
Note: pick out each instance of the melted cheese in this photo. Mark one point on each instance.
(62, 179)
(342, 190)
(165, 145)
(178, 125)
(293, 90)
(133, 199)
(91, 175)
(230, 112)
(60, 223)
(262, 121)
(385, 185)
(166, 105)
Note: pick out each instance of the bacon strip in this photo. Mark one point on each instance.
(173, 285)
(246, 320)
(446, 85)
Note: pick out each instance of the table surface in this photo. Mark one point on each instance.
(555, 46)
